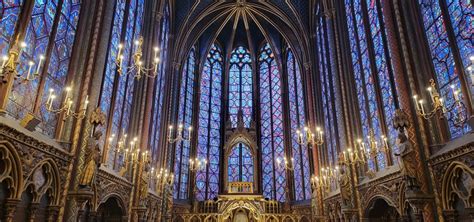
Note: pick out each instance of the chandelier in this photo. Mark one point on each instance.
(180, 134)
(285, 164)
(66, 105)
(137, 68)
(457, 108)
(197, 164)
(307, 137)
(10, 62)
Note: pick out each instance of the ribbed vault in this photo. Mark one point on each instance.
(235, 22)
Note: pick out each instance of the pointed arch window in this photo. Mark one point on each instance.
(373, 74)
(441, 18)
(240, 165)
(240, 85)
(271, 114)
(185, 114)
(51, 31)
(300, 153)
(209, 132)
(117, 91)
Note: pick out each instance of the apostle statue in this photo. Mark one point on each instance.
(345, 185)
(407, 159)
(92, 160)
(406, 154)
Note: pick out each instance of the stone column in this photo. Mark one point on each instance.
(10, 208)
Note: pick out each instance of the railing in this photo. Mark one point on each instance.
(240, 187)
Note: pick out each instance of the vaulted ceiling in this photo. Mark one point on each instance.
(246, 22)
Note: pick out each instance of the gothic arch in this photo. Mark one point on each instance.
(454, 185)
(117, 198)
(10, 170)
(244, 138)
(370, 204)
(44, 180)
(224, 12)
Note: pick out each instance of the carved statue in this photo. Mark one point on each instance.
(144, 180)
(407, 158)
(92, 160)
(345, 185)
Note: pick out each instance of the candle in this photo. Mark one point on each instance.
(121, 62)
(4, 59)
(86, 101)
(51, 102)
(30, 63)
(421, 107)
(69, 105)
(189, 132)
(430, 90)
(68, 91)
(39, 64)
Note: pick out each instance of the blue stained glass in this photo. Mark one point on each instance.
(297, 118)
(60, 55)
(460, 14)
(37, 37)
(329, 118)
(185, 113)
(271, 110)
(159, 86)
(9, 12)
(240, 164)
(210, 124)
(110, 69)
(240, 85)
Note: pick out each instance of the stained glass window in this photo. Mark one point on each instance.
(329, 97)
(38, 35)
(372, 72)
(9, 12)
(158, 90)
(435, 24)
(240, 85)
(297, 120)
(271, 110)
(209, 132)
(240, 164)
(185, 113)
(117, 91)
(40, 41)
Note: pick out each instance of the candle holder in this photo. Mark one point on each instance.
(179, 135)
(10, 62)
(32, 74)
(307, 137)
(285, 164)
(197, 164)
(138, 68)
(366, 150)
(457, 109)
(327, 177)
(162, 179)
(66, 106)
